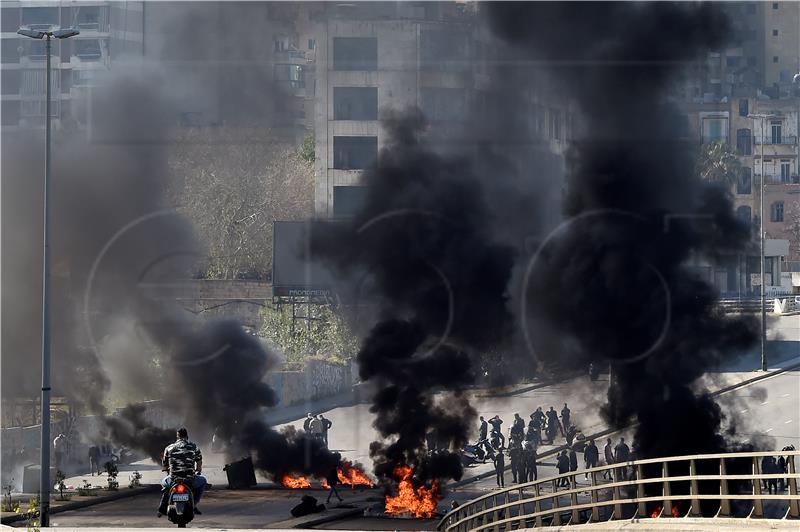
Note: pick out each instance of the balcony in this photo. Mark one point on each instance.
(783, 140)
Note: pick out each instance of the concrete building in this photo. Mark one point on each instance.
(108, 30)
(738, 123)
(372, 57)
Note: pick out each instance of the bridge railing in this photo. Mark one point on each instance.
(630, 488)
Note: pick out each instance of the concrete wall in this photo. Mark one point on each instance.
(318, 379)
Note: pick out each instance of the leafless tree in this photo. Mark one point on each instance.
(233, 182)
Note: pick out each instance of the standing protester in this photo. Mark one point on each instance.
(539, 418)
(515, 456)
(608, 451)
(622, 453)
(496, 424)
(518, 428)
(483, 431)
(771, 469)
(332, 478)
(307, 422)
(781, 469)
(573, 459)
(533, 434)
(499, 469)
(590, 457)
(326, 425)
(94, 459)
(59, 447)
(563, 467)
(552, 425)
(565, 413)
(530, 462)
(316, 428)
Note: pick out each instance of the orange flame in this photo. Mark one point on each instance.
(353, 475)
(420, 501)
(295, 482)
(657, 512)
(675, 512)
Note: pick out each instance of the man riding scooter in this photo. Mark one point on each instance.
(183, 460)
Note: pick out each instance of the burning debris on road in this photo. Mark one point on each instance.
(413, 497)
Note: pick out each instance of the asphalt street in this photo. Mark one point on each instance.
(770, 407)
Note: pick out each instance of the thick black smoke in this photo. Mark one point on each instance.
(131, 427)
(424, 236)
(613, 285)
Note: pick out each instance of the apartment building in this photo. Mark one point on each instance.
(763, 134)
(108, 30)
(372, 57)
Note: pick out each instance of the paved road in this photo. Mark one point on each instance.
(771, 406)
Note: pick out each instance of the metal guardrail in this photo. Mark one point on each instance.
(539, 503)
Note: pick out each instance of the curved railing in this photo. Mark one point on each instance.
(542, 502)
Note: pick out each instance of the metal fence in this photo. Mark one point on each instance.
(664, 487)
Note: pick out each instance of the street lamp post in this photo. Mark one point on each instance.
(44, 478)
(761, 245)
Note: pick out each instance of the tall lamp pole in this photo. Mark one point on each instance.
(44, 478)
(761, 246)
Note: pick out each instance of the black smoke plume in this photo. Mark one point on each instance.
(613, 284)
(424, 237)
(131, 427)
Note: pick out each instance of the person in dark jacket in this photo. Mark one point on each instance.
(483, 431)
(499, 469)
(515, 456)
(622, 453)
(332, 478)
(530, 462)
(591, 455)
(534, 434)
(326, 426)
(307, 422)
(518, 428)
(496, 423)
(563, 467)
(94, 459)
(565, 415)
(573, 459)
(781, 469)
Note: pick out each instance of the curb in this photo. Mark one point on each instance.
(606, 432)
(150, 488)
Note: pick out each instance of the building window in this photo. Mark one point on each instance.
(732, 61)
(745, 183)
(774, 58)
(347, 201)
(776, 132)
(40, 18)
(752, 61)
(744, 107)
(743, 142)
(715, 130)
(354, 153)
(88, 18)
(355, 103)
(355, 53)
(88, 49)
(444, 50)
(37, 50)
(291, 75)
(776, 211)
(443, 105)
(774, 33)
(774, 5)
(743, 213)
(786, 171)
(312, 44)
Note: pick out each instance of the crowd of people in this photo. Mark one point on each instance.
(771, 465)
(543, 428)
(318, 426)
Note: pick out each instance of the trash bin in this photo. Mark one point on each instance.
(241, 474)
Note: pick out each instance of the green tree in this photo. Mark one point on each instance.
(326, 336)
(718, 163)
